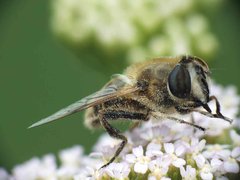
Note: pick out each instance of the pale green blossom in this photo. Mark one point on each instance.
(137, 30)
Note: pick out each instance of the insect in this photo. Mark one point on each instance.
(162, 86)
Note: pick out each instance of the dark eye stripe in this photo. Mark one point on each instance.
(199, 71)
(205, 86)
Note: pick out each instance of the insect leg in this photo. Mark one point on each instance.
(114, 115)
(185, 122)
(129, 116)
(115, 133)
(134, 125)
(218, 109)
(214, 115)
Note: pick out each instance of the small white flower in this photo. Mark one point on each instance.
(4, 174)
(236, 153)
(235, 138)
(94, 160)
(195, 147)
(67, 172)
(139, 160)
(206, 172)
(104, 141)
(150, 177)
(216, 165)
(118, 170)
(189, 173)
(236, 123)
(159, 167)
(173, 153)
(153, 149)
(35, 168)
(107, 146)
(217, 151)
(223, 160)
(165, 178)
(200, 160)
(182, 131)
(88, 173)
(207, 169)
(71, 156)
(159, 133)
(231, 165)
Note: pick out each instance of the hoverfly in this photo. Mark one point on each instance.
(165, 86)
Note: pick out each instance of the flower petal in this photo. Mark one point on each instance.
(179, 162)
(165, 178)
(236, 152)
(206, 175)
(201, 144)
(235, 137)
(189, 173)
(154, 146)
(216, 163)
(231, 166)
(152, 177)
(118, 170)
(224, 154)
(141, 167)
(130, 158)
(191, 170)
(200, 160)
(180, 150)
(4, 174)
(169, 148)
(138, 151)
(153, 150)
(183, 171)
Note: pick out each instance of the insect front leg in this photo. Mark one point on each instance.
(218, 110)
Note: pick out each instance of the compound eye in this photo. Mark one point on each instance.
(179, 82)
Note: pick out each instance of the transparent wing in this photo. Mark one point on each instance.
(119, 86)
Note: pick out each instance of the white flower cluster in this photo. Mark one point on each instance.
(144, 29)
(159, 149)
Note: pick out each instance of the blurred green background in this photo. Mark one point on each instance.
(38, 76)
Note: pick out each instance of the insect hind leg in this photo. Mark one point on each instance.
(115, 133)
